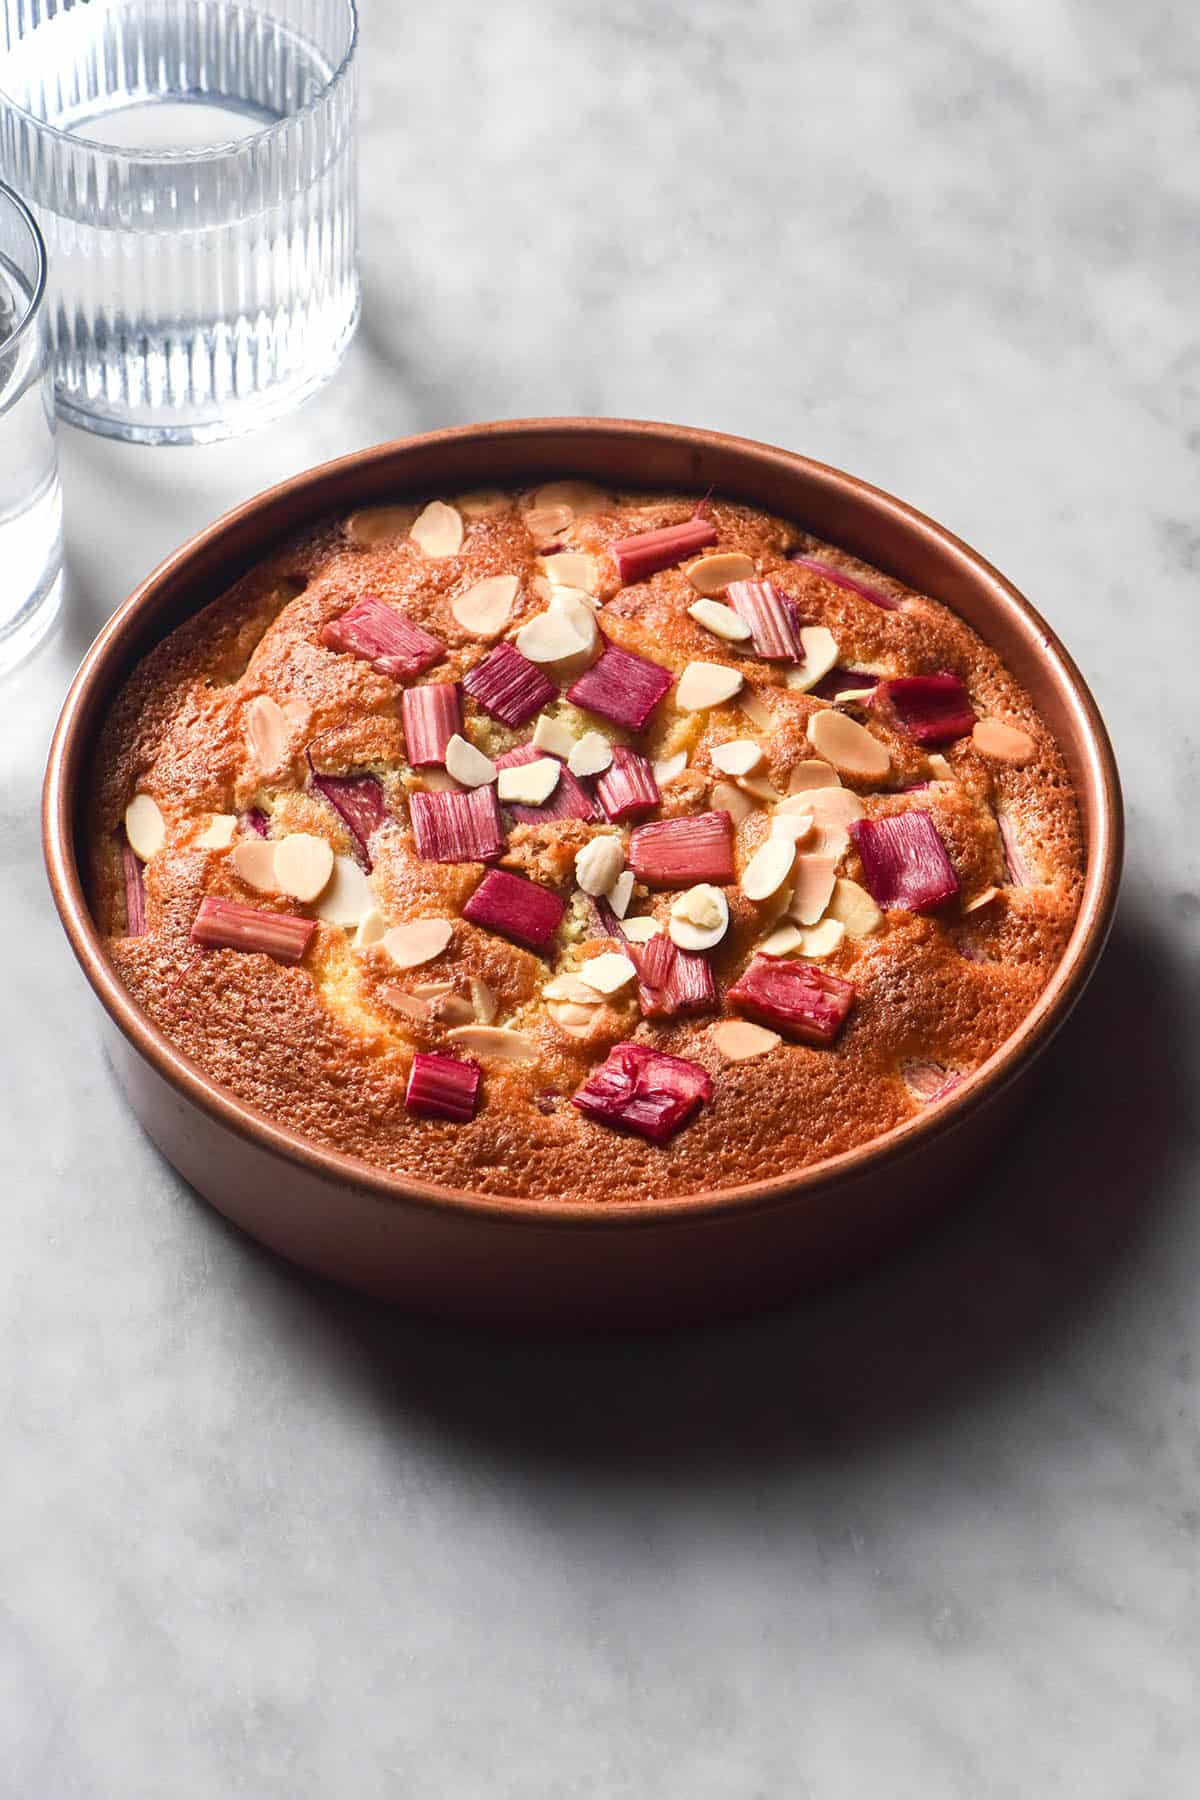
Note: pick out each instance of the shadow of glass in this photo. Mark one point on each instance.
(1055, 1213)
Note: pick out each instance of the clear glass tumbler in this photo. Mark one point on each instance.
(191, 164)
(31, 546)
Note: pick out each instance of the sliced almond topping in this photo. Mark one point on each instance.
(144, 827)
(812, 887)
(712, 574)
(599, 863)
(621, 893)
(484, 1001)
(455, 1009)
(371, 930)
(417, 942)
(467, 764)
(848, 745)
(591, 755)
(303, 865)
(980, 900)
(668, 767)
(486, 607)
(218, 834)
(768, 868)
(438, 530)
(721, 620)
(854, 907)
(347, 899)
(820, 655)
(849, 696)
(782, 941)
(376, 524)
(552, 737)
(572, 569)
(570, 987)
(699, 918)
(814, 774)
(581, 498)
(573, 1017)
(828, 806)
(528, 784)
(738, 1040)
(756, 710)
(497, 1042)
(823, 939)
(939, 768)
(556, 636)
(761, 787)
(641, 929)
(410, 1005)
(738, 757)
(482, 503)
(254, 863)
(1006, 743)
(547, 524)
(795, 826)
(268, 733)
(705, 684)
(433, 990)
(727, 798)
(608, 972)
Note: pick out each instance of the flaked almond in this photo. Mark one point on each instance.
(486, 607)
(704, 684)
(848, 745)
(855, 696)
(303, 865)
(823, 939)
(599, 863)
(548, 524)
(499, 1043)
(591, 755)
(1004, 743)
(795, 826)
(529, 784)
(553, 737)
(417, 942)
(699, 917)
(482, 503)
(438, 530)
(372, 928)
(378, 524)
(641, 929)
(712, 574)
(813, 881)
(812, 774)
(668, 767)
(347, 899)
(570, 987)
(979, 900)
(454, 1009)
(738, 757)
(854, 907)
(768, 868)
(572, 569)
(556, 636)
(782, 941)
(939, 768)
(721, 620)
(144, 827)
(411, 1006)
(432, 990)
(254, 863)
(760, 787)
(820, 655)
(828, 806)
(573, 1017)
(756, 710)
(468, 765)
(298, 715)
(268, 733)
(621, 893)
(738, 1040)
(608, 972)
(483, 1000)
(727, 798)
(219, 833)
(581, 498)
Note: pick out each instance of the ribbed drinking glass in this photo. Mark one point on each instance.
(192, 166)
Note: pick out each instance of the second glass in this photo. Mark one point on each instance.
(191, 164)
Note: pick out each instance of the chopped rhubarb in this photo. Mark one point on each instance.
(569, 800)
(1015, 866)
(607, 922)
(135, 891)
(509, 686)
(795, 998)
(516, 908)
(648, 551)
(655, 959)
(672, 981)
(385, 638)
(254, 821)
(627, 787)
(772, 617)
(442, 1087)
(844, 681)
(645, 1091)
(930, 709)
(682, 852)
(622, 687)
(453, 828)
(228, 925)
(432, 715)
(840, 578)
(905, 866)
(358, 800)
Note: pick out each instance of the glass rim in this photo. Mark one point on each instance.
(10, 196)
(226, 147)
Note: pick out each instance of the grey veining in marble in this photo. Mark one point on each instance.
(935, 1538)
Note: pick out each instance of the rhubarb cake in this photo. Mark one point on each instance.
(565, 843)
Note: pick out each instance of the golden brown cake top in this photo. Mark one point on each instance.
(770, 814)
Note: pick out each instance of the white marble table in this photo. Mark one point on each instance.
(934, 1537)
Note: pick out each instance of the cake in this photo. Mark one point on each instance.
(572, 844)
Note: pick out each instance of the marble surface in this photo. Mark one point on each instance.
(933, 1536)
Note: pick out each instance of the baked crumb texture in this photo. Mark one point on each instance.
(226, 731)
